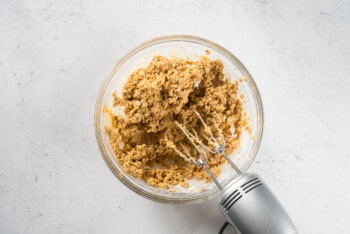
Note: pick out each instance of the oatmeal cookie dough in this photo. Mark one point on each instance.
(168, 90)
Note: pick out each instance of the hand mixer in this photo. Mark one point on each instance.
(246, 202)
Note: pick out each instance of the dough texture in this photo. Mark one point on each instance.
(169, 90)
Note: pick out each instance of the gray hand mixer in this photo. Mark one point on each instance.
(246, 202)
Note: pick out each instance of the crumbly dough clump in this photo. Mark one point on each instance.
(169, 90)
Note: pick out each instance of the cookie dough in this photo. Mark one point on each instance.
(168, 90)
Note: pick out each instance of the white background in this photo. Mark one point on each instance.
(55, 54)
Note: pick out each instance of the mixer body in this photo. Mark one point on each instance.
(251, 208)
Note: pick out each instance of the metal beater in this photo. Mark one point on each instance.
(246, 202)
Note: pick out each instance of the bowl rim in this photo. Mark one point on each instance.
(98, 108)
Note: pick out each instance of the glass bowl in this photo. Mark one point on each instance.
(187, 47)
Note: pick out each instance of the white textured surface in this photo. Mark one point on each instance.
(55, 54)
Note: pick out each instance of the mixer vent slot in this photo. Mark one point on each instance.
(231, 200)
(251, 184)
